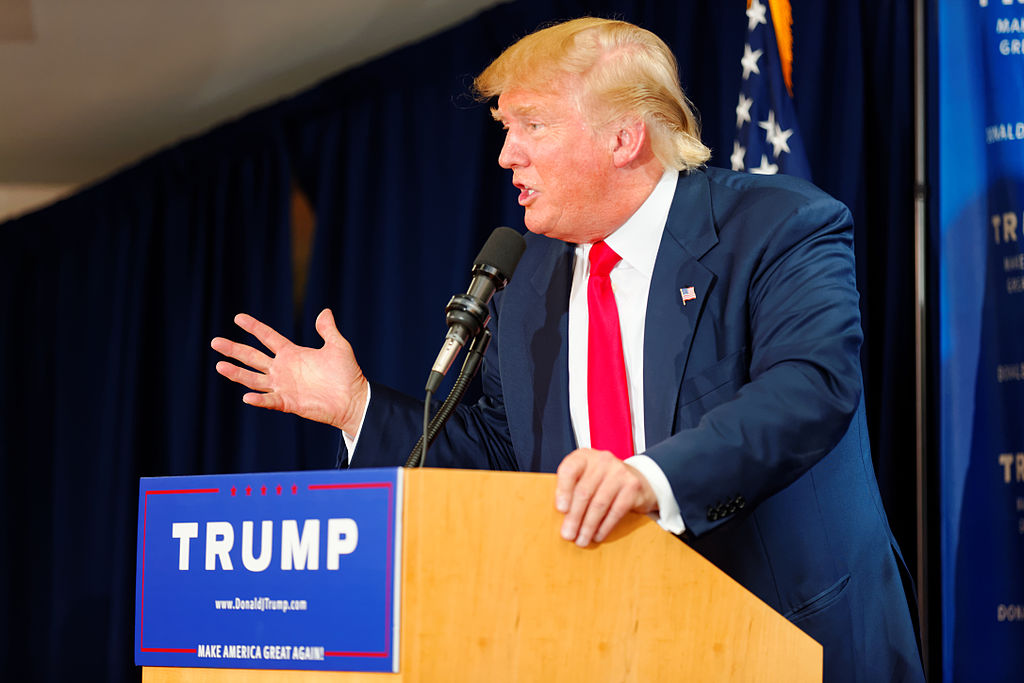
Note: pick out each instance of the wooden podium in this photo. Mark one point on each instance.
(490, 592)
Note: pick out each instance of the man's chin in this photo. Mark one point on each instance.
(553, 228)
(535, 226)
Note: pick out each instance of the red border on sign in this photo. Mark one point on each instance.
(142, 595)
(391, 528)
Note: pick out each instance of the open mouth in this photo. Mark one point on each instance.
(526, 194)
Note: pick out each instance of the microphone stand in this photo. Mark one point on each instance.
(470, 367)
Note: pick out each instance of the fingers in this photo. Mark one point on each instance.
(622, 503)
(573, 494)
(256, 381)
(255, 359)
(584, 493)
(569, 471)
(268, 336)
(595, 490)
(262, 394)
(271, 401)
(592, 508)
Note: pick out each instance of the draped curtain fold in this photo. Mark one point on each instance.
(110, 297)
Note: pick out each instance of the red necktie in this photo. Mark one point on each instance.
(607, 395)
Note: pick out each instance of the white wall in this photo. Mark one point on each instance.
(19, 199)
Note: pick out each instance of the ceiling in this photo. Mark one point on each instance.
(88, 87)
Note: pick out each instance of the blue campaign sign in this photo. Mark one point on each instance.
(289, 570)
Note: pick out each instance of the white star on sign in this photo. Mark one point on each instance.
(765, 168)
(743, 110)
(756, 15)
(749, 61)
(738, 153)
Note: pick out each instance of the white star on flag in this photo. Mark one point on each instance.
(769, 126)
(743, 110)
(749, 61)
(774, 135)
(738, 153)
(765, 168)
(756, 15)
(767, 137)
(778, 140)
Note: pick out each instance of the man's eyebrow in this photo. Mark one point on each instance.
(520, 110)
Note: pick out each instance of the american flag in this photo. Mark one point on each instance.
(767, 140)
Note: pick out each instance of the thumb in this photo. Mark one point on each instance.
(327, 329)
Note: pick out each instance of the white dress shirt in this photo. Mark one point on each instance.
(637, 242)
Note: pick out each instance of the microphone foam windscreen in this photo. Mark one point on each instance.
(502, 251)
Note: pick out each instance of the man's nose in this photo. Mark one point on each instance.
(511, 153)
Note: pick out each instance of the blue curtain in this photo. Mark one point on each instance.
(110, 297)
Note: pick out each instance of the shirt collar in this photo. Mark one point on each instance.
(638, 239)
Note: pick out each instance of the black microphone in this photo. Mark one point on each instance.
(467, 314)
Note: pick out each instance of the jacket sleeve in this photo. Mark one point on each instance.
(475, 437)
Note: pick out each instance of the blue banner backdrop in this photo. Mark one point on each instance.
(981, 270)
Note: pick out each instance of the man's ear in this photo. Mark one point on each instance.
(630, 141)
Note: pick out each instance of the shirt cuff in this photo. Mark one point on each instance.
(668, 516)
(351, 441)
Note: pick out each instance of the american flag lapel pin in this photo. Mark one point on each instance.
(688, 294)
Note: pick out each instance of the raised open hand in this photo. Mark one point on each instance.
(325, 384)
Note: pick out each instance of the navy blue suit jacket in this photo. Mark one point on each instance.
(752, 401)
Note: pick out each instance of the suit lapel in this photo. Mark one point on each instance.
(671, 322)
(534, 355)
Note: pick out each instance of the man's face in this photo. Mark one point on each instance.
(560, 164)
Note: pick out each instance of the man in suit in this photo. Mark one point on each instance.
(726, 401)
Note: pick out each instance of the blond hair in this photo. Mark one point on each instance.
(624, 70)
